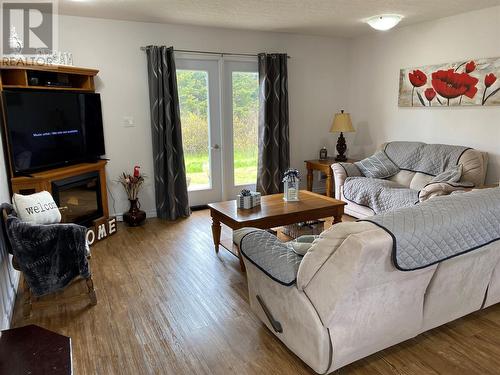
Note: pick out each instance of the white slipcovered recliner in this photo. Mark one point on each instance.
(474, 164)
(348, 300)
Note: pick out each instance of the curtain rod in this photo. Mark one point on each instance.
(213, 53)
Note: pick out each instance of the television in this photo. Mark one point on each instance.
(47, 129)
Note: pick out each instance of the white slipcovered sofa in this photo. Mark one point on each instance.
(474, 164)
(348, 300)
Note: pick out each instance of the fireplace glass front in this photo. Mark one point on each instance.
(79, 198)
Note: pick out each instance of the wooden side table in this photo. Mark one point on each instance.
(325, 166)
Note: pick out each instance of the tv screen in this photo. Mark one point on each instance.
(51, 129)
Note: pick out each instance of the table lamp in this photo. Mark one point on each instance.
(341, 123)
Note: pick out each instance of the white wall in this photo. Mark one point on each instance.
(317, 82)
(375, 61)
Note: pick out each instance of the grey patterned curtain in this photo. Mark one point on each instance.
(168, 156)
(274, 146)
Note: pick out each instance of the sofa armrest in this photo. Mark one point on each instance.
(340, 172)
(271, 256)
(442, 188)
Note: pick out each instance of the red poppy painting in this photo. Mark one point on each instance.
(468, 82)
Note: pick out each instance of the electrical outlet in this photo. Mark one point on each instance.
(128, 122)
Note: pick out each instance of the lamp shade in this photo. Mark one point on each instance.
(342, 123)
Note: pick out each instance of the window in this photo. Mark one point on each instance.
(193, 101)
(245, 95)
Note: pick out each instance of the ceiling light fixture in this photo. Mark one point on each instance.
(384, 21)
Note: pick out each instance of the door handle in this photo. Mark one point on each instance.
(215, 147)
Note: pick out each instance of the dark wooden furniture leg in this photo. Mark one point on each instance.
(310, 176)
(329, 183)
(216, 228)
(337, 217)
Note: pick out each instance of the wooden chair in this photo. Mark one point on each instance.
(30, 301)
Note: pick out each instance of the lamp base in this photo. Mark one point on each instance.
(341, 148)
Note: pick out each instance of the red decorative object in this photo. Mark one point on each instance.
(470, 67)
(450, 84)
(430, 94)
(417, 78)
(132, 185)
(461, 83)
(489, 79)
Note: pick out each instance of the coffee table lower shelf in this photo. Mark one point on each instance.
(273, 212)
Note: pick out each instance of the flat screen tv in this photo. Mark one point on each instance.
(50, 129)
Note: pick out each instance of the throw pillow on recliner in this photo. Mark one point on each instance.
(377, 166)
(38, 208)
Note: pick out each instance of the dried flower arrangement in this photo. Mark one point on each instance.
(132, 183)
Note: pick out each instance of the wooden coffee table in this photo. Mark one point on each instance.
(274, 212)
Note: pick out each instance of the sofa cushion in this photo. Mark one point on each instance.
(430, 159)
(442, 227)
(378, 194)
(474, 168)
(403, 177)
(377, 166)
(450, 175)
(419, 180)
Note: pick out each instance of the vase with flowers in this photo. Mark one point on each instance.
(132, 183)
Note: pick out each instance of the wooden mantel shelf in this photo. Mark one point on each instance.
(60, 172)
(35, 76)
(51, 68)
(41, 181)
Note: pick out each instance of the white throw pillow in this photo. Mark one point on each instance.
(302, 244)
(38, 208)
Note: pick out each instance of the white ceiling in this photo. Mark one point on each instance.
(316, 17)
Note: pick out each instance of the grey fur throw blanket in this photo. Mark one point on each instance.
(50, 256)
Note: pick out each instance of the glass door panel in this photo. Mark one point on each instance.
(199, 100)
(193, 101)
(241, 113)
(245, 93)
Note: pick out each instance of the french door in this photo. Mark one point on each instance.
(219, 115)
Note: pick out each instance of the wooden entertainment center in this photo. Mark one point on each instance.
(50, 78)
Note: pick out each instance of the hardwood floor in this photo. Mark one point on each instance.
(167, 304)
